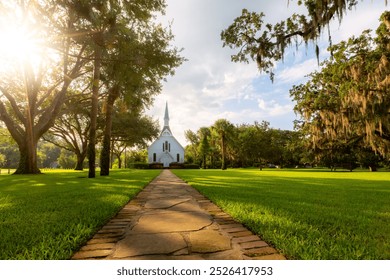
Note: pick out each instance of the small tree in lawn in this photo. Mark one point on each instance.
(70, 131)
(223, 129)
(204, 145)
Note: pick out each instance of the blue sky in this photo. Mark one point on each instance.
(209, 86)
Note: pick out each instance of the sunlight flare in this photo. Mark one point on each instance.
(21, 43)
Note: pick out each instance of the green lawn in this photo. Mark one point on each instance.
(49, 216)
(306, 214)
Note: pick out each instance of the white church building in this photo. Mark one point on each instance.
(166, 149)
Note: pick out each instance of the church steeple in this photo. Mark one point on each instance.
(166, 116)
(166, 129)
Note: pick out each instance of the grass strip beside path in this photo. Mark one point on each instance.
(50, 216)
(306, 214)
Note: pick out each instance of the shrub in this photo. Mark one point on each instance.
(215, 165)
(176, 165)
(139, 165)
(191, 166)
(156, 165)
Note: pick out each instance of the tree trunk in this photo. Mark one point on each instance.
(223, 144)
(28, 159)
(79, 164)
(80, 161)
(125, 161)
(94, 112)
(28, 146)
(119, 161)
(112, 154)
(373, 168)
(105, 155)
(106, 149)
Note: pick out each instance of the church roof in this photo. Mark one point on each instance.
(166, 131)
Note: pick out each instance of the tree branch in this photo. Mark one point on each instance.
(13, 104)
(15, 130)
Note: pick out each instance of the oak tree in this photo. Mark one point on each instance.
(32, 90)
(349, 99)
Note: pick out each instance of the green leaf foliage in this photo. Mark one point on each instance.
(349, 99)
(266, 43)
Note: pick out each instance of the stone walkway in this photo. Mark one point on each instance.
(168, 220)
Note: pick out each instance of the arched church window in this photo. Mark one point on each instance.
(178, 157)
(154, 157)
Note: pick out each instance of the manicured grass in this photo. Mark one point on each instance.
(50, 216)
(306, 214)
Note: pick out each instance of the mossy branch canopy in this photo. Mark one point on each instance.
(266, 43)
(350, 97)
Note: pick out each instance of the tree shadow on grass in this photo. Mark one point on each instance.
(303, 216)
(49, 216)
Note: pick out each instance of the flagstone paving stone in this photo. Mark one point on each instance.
(172, 221)
(208, 241)
(149, 244)
(169, 220)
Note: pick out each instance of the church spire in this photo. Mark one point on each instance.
(166, 129)
(166, 116)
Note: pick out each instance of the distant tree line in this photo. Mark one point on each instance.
(224, 145)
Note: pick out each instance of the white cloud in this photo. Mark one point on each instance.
(261, 104)
(273, 108)
(365, 16)
(297, 72)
